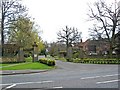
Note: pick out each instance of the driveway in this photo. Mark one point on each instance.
(67, 75)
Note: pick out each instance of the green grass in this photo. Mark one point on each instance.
(7, 64)
(32, 66)
(3, 65)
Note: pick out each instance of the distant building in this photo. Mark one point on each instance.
(10, 49)
(95, 47)
(55, 48)
(117, 46)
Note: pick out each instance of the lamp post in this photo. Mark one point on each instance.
(35, 52)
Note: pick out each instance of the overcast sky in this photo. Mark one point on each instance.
(53, 15)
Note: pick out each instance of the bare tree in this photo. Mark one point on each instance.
(10, 11)
(69, 36)
(107, 18)
(95, 34)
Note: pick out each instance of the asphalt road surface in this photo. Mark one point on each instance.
(67, 75)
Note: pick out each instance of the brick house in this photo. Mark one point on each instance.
(95, 47)
(117, 46)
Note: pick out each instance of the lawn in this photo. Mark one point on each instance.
(25, 66)
(8, 64)
(3, 65)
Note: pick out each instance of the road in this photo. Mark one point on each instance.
(67, 75)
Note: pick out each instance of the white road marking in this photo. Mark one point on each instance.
(46, 81)
(58, 87)
(99, 76)
(26, 83)
(111, 75)
(107, 81)
(90, 77)
(10, 86)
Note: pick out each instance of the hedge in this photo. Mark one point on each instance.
(10, 60)
(97, 61)
(48, 62)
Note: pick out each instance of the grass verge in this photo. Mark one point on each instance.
(32, 66)
(1, 65)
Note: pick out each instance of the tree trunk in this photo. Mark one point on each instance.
(2, 33)
(2, 40)
(67, 51)
(110, 50)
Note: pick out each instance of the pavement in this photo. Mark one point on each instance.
(14, 72)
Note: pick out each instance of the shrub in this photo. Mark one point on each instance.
(43, 60)
(76, 55)
(96, 61)
(10, 60)
(69, 60)
(77, 60)
(56, 57)
(28, 59)
(48, 62)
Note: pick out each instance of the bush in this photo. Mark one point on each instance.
(69, 60)
(97, 61)
(56, 57)
(29, 59)
(77, 60)
(76, 55)
(51, 62)
(48, 62)
(43, 60)
(10, 60)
